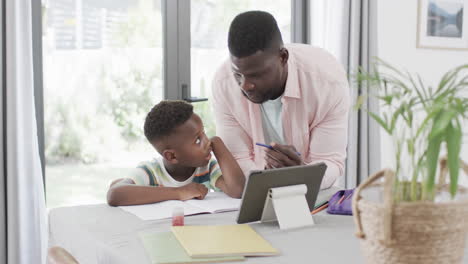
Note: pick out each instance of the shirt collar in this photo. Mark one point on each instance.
(292, 88)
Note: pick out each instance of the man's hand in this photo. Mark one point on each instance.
(282, 156)
(192, 190)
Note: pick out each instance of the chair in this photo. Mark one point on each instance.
(58, 255)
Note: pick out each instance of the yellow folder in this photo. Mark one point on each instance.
(222, 240)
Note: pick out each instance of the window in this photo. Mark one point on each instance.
(98, 86)
(105, 63)
(209, 41)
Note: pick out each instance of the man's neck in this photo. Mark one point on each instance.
(283, 87)
(178, 172)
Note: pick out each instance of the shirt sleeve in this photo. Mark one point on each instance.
(145, 174)
(229, 130)
(215, 174)
(330, 138)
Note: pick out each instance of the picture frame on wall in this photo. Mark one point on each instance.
(442, 24)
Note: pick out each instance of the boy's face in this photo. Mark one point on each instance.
(189, 144)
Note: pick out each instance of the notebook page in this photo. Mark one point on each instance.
(161, 210)
(217, 202)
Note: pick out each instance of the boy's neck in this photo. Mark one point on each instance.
(178, 172)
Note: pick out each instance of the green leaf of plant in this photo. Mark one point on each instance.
(359, 102)
(386, 98)
(397, 113)
(381, 122)
(441, 122)
(453, 139)
(432, 157)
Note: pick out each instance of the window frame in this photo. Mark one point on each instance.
(176, 61)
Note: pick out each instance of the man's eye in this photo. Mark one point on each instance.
(198, 141)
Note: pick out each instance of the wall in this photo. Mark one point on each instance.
(396, 43)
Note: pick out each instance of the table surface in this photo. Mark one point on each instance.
(104, 234)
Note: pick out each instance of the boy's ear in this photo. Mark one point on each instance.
(169, 155)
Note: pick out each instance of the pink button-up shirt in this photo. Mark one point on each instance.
(316, 103)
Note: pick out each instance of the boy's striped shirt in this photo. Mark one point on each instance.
(153, 173)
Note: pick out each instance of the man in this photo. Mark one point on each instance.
(294, 97)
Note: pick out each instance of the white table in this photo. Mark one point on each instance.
(104, 234)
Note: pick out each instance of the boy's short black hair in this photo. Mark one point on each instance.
(165, 117)
(252, 31)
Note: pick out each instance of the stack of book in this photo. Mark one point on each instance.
(206, 244)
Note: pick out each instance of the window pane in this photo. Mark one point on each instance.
(102, 64)
(210, 22)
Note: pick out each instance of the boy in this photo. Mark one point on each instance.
(186, 168)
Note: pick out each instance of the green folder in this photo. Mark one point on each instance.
(164, 248)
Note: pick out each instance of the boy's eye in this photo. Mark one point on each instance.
(197, 141)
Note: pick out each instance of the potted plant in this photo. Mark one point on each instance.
(420, 218)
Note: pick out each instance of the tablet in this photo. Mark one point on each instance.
(259, 182)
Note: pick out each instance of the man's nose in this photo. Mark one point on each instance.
(247, 86)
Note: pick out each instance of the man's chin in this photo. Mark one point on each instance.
(256, 100)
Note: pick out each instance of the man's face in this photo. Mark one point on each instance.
(191, 146)
(260, 75)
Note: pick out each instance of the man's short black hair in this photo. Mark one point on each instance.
(165, 117)
(252, 31)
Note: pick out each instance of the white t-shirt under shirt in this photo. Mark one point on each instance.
(271, 121)
(153, 173)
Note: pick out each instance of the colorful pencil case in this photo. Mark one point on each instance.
(340, 203)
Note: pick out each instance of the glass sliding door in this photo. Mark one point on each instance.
(210, 22)
(105, 63)
(103, 71)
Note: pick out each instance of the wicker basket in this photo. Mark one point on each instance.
(410, 232)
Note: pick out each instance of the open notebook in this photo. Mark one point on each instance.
(214, 202)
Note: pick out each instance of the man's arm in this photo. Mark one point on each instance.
(230, 131)
(328, 141)
(126, 192)
(232, 181)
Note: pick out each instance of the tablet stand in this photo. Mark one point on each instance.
(288, 206)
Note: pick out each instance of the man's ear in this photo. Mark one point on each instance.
(169, 155)
(284, 55)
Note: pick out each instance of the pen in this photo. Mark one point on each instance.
(270, 147)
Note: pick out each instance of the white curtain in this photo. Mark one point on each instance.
(23, 211)
(329, 27)
(347, 29)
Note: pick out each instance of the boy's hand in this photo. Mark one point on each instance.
(192, 190)
(215, 141)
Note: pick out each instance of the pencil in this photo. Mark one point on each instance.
(341, 199)
(320, 205)
(270, 147)
(319, 209)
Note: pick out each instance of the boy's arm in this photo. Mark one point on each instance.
(126, 192)
(232, 181)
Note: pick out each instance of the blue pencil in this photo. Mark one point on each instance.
(270, 147)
